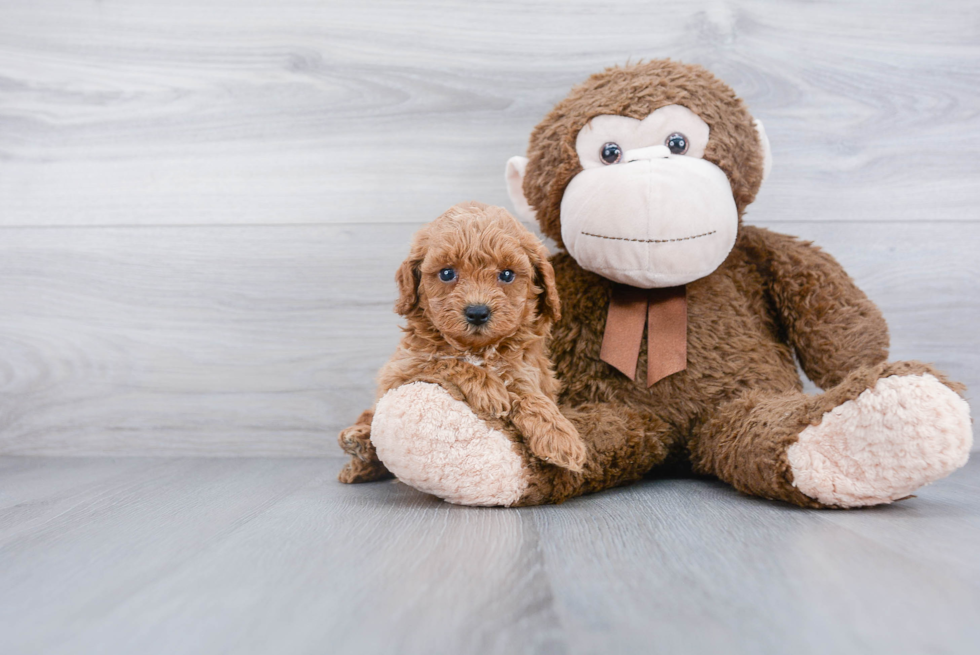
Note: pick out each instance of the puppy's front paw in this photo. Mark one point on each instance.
(556, 441)
(356, 441)
(488, 400)
(487, 397)
(494, 406)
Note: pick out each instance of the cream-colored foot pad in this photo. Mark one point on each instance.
(435, 443)
(903, 433)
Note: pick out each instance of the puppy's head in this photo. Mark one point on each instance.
(478, 277)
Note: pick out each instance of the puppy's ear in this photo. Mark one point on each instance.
(409, 276)
(549, 306)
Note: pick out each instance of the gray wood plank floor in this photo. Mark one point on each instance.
(143, 555)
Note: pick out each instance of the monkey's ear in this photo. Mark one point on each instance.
(514, 176)
(408, 277)
(766, 150)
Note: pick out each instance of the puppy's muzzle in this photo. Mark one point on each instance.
(476, 314)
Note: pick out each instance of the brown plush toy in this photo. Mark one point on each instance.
(680, 324)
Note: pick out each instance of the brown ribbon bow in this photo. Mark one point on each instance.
(664, 311)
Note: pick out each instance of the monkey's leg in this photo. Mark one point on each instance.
(437, 444)
(879, 435)
(623, 444)
(364, 465)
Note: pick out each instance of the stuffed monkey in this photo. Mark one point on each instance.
(680, 324)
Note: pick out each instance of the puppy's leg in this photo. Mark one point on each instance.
(484, 392)
(364, 465)
(356, 440)
(356, 471)
(547, 433)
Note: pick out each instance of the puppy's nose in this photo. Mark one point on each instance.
(476, 314)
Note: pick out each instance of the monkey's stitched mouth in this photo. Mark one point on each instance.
(602, 236)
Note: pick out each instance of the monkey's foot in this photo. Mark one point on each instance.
(897, 436)
(435, 443)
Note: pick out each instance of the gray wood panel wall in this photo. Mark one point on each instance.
(202, 203)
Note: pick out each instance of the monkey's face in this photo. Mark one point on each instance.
(642, 173)
(646, 209)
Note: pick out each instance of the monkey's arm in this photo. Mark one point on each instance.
(831, 324)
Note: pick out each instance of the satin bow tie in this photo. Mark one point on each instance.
(664, 311)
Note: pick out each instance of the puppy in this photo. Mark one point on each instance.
(479, 296)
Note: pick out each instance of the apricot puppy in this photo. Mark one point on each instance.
(479, 297)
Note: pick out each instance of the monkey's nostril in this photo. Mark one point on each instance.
(476, 314)
(650, 152)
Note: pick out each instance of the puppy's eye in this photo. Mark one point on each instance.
(611, 153)
(676, 143)
(447, 274)
(506, 276)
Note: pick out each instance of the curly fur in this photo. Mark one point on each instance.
(500, 368)
(738, 406)
(737, 409)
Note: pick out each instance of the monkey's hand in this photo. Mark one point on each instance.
(548, 434)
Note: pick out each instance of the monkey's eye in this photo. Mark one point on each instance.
(447, 274)
(611, 153)
(676, 143)
(506, 276)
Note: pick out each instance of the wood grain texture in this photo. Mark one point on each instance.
(274, 556)
(295, 111)
(265, 340)
(202, 203)
(757, 576)
(192, 340)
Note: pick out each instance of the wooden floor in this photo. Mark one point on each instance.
(156, 555)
